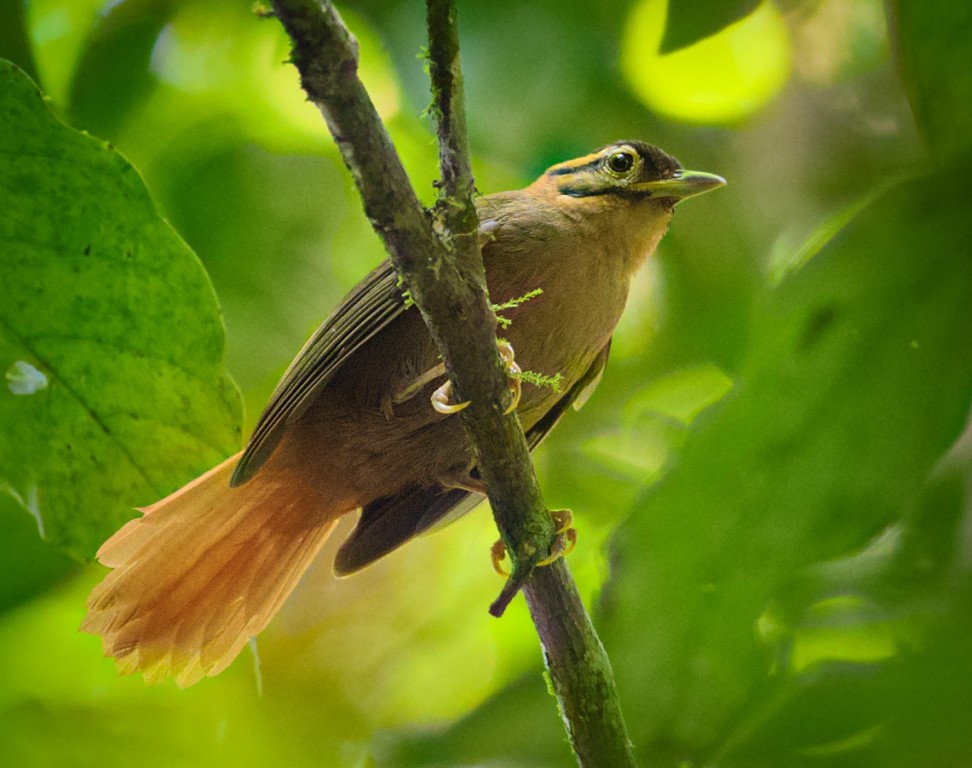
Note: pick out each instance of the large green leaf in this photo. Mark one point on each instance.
(110, 335)
(859, 379)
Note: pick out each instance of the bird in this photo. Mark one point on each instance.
(358, 420)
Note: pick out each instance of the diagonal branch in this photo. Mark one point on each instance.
(438, 257)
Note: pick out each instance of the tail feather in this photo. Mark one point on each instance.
(204, 570)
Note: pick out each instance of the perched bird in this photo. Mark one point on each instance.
(351, 425)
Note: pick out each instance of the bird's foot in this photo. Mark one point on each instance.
(443, 395)
(565, 539)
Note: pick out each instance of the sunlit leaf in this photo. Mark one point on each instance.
(905, 712)
(110, 337)
(682, 395)
(692, 20)
(720, 79)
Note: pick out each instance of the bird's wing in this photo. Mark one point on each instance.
(388, 523)
(372, 304)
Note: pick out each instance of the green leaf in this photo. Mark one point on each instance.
(932, 50)
(689, 21)
(113, 72)
(27, 565)
(110, 336)
(859, 379)
(909, 711)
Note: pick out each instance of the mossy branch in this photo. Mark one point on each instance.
(439, 260)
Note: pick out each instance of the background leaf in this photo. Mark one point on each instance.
(110, 337)
(689, 21)
(932, 40)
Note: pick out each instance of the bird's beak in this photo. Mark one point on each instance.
(682, 185)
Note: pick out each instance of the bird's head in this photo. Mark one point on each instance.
(620, 196)
(628, 171)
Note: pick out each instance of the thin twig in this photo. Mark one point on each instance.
(504, 459)
(449, 107)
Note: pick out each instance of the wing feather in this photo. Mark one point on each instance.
(374, 303)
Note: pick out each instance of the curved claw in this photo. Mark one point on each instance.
(564, 519)
(513, 371)
(516, 386)
(497, 553)
(566, 536)
(562, 546)
(440, 400)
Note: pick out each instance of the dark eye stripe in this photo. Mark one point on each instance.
(577, 190)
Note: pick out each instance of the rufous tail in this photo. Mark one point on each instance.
(204, 570)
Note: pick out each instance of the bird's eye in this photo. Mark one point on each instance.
(620, 162)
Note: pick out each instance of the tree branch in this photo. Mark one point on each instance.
(580, 670)
(438, 257)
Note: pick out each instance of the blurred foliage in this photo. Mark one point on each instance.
(781, 437)
(719, 79)
(931, 48)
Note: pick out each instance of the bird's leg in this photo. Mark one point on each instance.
(470, 481)
(416, 386)
(564, 541)
(410, 390)
(441, 397)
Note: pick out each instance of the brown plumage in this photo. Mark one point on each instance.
(350, 425)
